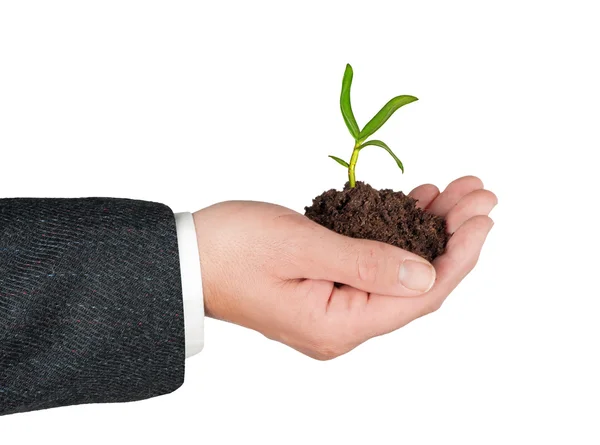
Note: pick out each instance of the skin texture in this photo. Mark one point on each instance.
(271, 269)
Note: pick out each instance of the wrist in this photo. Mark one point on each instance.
(206, 244)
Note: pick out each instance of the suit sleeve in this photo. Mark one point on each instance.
(91, 304)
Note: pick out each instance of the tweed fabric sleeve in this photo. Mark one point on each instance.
(91, 307)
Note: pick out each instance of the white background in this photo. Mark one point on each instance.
(191, 103)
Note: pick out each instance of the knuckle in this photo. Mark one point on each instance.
(324, 354)
(367, 264)
(327, 347)
(472, 262)
(437, 305)
(432, 306)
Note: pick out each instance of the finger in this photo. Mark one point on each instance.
(462, 253)
(346, 299)
(424, 194)
(384, 314)
(453, 193)
(478, 202)
(366, 265)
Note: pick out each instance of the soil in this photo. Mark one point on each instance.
(381, 215)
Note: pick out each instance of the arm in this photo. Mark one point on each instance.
(90, 302)
(91, 295)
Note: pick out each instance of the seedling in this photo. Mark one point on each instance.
(360, 211)
(361, 136)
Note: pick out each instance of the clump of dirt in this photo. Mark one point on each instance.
(381, 215)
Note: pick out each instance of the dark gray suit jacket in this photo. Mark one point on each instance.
(90, 302)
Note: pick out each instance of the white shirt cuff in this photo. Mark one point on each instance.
(191, 283)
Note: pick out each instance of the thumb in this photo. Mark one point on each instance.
(367, 265)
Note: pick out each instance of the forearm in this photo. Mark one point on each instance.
(90, 302)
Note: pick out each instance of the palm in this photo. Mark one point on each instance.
(465, 205)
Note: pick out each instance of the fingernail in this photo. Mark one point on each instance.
(417, 275)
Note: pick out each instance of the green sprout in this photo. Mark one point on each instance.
(361, 136)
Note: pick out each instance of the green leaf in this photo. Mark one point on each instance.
(386, 148)
(384, 114)
(340, 161)
(345, 103)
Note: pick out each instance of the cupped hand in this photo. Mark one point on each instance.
(273, 270)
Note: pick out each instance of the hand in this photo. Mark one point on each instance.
(273, 270)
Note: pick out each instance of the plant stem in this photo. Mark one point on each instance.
(353, 160)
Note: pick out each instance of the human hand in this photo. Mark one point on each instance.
(273, 270)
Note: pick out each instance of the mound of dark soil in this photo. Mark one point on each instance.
(381, 215)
